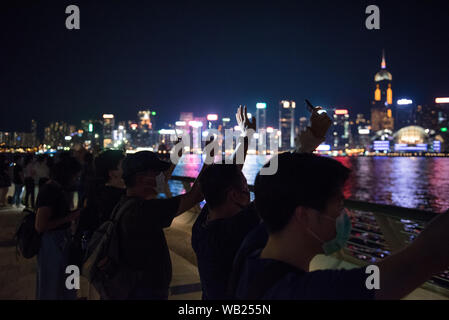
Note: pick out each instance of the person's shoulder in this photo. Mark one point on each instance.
(159, 208)
(329, 284)
(247, 215)
(111, 191)
(200, 219)
(335, 273)
(50, 187)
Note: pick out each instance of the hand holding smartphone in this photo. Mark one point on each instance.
(311, 108)
(320, 121)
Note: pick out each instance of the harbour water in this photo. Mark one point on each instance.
(412, 182)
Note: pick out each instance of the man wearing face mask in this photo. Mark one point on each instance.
(225, 219)
(302, 209)
(228, 215)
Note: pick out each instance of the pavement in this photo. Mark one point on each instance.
(18, 275)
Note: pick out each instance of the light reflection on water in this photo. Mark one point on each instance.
(414, 182)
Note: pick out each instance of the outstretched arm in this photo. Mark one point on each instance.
(248, 128)
(194, 195)
(168, 173)
(406, 270)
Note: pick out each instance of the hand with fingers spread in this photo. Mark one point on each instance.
(244, 122)
(320, 123)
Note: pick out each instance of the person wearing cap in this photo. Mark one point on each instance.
(143, 246)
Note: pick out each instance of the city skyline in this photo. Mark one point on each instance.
(202, 59)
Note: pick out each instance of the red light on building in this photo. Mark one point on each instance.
(341, 111)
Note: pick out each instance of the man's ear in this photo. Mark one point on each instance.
(138, 179)
(110, 174)
(231, 195)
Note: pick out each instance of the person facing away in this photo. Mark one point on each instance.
(29, 174)
(18, 180)
(228, 215)
(303, 212)
(104, 191)
(222, 225)
(42, 171)
(142, 243)
(53, 222)
(5, 180)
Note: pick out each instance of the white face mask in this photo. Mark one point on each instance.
(160, 183)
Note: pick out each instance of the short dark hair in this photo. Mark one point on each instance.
(107, 161)
(301, 180)
(64, 170)
(216, 180)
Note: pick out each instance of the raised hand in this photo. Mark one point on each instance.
(320, 123)
(243, 120)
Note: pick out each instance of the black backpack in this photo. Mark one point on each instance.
(28, 240)
(102, 266)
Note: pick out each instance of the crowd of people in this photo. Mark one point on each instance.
(245, 249)
(25, 174)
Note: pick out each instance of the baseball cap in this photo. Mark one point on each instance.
(141, 162)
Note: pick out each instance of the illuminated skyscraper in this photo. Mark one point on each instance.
(108, 128)
(361, 132)
(55, 133)
(287, 124)
(303, 123)
(381, 114)
(261, 115)
(404, 113)
(146, 131)
(145, 119)
(341, 130)
(34, 139)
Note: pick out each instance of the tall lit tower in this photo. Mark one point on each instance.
(34, 133)
(261, 115)
(381, 114)
(108, 128)
(341, 129)
(287, 124)
(145, 119)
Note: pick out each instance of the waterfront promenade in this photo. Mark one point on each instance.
(18, 275)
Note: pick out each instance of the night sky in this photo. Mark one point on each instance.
(209, 57)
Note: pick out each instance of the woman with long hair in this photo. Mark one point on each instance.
(53, 222)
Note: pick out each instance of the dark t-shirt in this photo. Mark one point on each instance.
(108, 197)
(142, 241)
(315, 285)
(215, 244)
(101, 200)
(53, 196)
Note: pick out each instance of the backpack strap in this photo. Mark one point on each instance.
(267, 278)
(121, 208)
